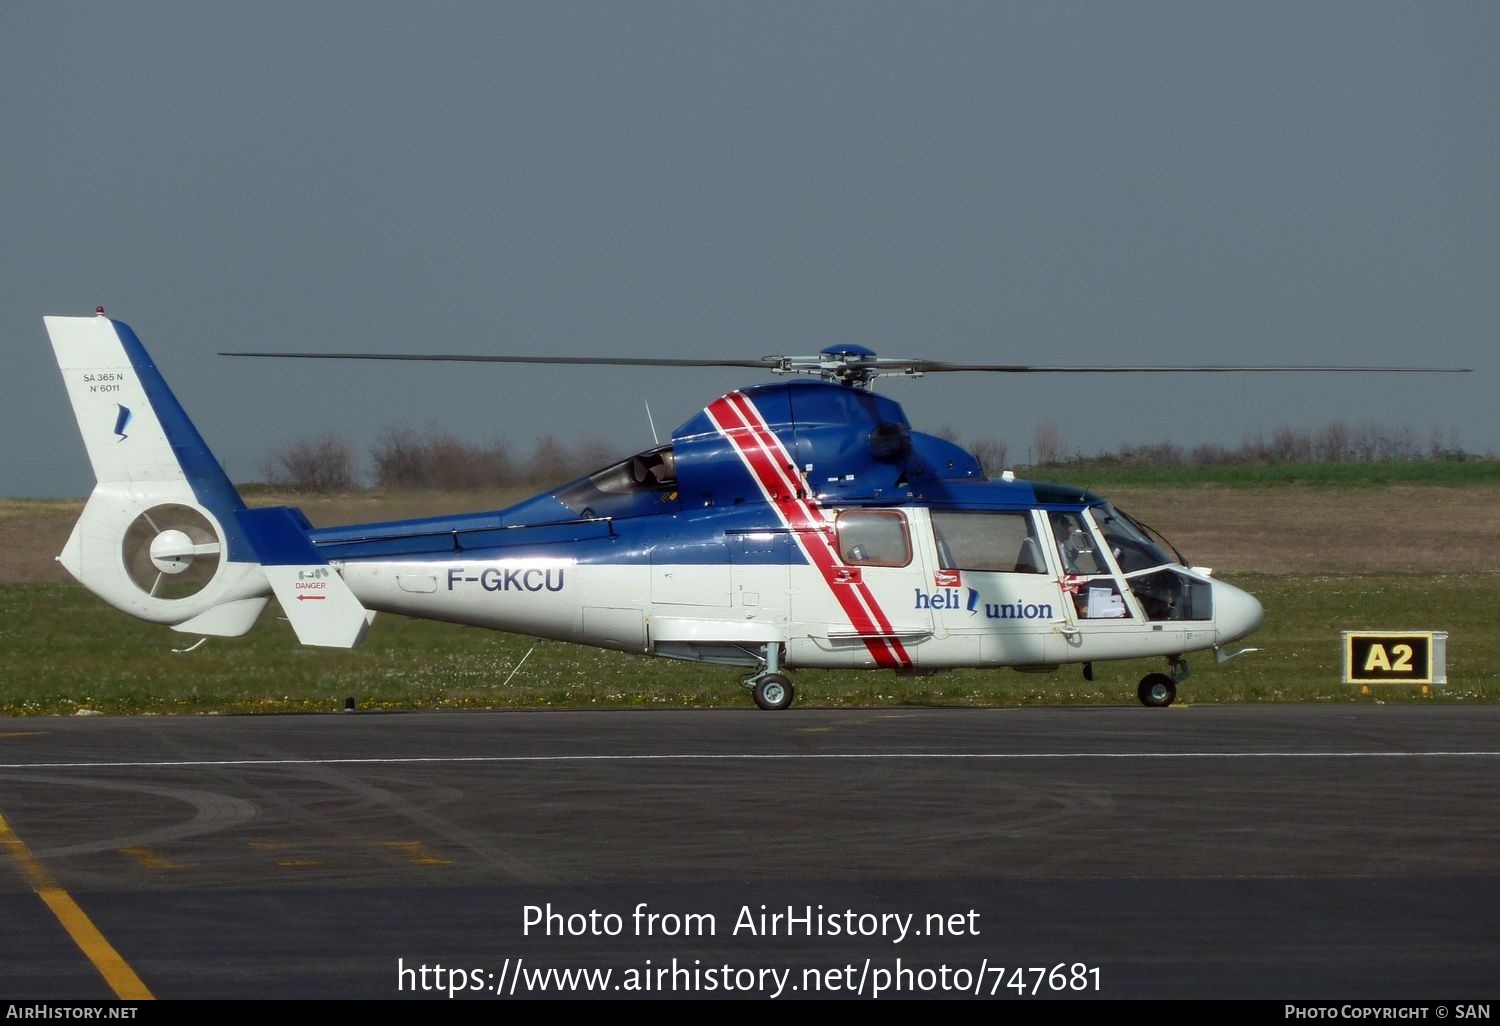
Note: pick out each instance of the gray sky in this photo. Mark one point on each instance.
(1105, 183)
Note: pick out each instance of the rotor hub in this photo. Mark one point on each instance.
(172, 551)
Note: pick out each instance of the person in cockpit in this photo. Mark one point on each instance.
(1073, 545)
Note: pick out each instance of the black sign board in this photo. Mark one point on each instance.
(1379, 657)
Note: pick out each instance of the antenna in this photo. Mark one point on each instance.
(655, 440)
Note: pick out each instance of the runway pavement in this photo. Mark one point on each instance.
(1307, 852)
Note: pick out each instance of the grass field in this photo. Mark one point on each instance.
(1321, 558)
(1375, 474)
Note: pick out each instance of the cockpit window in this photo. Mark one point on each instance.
(1076, 545)
(1173, 595)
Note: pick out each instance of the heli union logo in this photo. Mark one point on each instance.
(122, 421)
(947, 598)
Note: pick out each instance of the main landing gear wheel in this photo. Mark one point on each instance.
(1157, 690)
(773, 691)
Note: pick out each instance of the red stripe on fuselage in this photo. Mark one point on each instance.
(782, 485)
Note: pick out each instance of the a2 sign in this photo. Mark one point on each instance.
(1395, 657)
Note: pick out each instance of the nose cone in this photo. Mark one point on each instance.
(1237, 613)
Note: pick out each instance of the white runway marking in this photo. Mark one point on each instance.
(731, 757)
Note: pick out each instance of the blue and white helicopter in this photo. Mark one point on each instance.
(798, 523)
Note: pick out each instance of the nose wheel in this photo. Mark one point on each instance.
(1157, 690)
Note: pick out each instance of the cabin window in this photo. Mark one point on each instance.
(1004, 541)
(873, 537)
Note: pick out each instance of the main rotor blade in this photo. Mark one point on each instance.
(939, 367)
(616, 361)
(876, 366)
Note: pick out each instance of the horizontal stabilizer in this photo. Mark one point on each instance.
(321, 607)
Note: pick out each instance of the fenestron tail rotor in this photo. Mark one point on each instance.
(172, 551)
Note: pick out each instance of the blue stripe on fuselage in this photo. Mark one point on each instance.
(697, 537)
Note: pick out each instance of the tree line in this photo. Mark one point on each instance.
(408, 459)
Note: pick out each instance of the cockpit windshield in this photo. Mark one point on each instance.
(1131, 543)
(1162, 584)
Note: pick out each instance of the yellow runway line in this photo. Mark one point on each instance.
(116, 972)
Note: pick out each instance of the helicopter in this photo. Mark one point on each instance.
(795, 523)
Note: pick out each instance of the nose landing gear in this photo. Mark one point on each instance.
(1158, 690)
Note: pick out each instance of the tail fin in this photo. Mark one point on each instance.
(165, 536)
